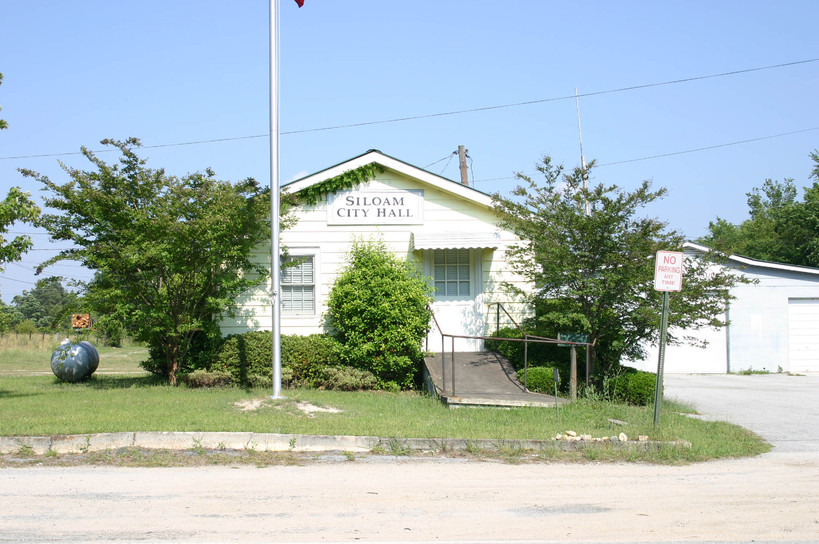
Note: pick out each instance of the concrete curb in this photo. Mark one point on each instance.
(84, 443)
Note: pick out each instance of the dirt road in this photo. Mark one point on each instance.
(773, 497)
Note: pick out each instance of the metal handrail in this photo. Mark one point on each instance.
(526, 339)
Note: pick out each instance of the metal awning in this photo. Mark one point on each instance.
(454, 240)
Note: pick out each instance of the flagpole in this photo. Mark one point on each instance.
(275, 263)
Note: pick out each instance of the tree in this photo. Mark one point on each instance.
(377, 309)
(594, 272)
(47, 305)
(780, 227)
(172, 253)
(17, 206)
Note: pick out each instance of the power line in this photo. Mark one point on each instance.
(671, 154)
(555, 99)
(447, 113)
(717, 146)
(440, 160)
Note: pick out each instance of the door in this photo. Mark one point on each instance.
(803, 335)
(456, 276)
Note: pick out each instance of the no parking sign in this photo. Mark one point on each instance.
(668, 270)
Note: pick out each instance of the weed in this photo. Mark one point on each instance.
(198, 448)
(472, 447)
(398, 447)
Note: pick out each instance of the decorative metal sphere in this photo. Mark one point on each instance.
(75, 362)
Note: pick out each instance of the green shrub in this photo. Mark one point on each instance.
(306, 357)
(204, 378)
(540, 354)
(26, 326)
(540, 379)
(632, 386)
(345, 378)
(377, 310)
(111, 329)
(247, 358)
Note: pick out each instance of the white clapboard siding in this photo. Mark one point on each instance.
(448, 207)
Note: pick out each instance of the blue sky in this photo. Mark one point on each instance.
(174, 72)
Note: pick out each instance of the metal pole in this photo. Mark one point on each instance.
(453, 366)
(443, 362)
(573, 371)
(275, 264)
(526, 362)
(658, 389)
(557, 405)
(582, 157)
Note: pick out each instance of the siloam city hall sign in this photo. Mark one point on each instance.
(376, 208)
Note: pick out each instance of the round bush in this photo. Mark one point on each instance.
(634, 387)
(377, 309)
(540, 379)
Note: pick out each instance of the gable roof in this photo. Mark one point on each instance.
(391, 163)
(747, 261)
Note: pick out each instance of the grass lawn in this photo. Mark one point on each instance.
(40, 405)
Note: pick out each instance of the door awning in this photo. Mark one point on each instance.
(454, 240)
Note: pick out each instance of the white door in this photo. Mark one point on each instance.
(456, 275)
(803, 335)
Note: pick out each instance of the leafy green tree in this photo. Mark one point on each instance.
(594, 272)
(7, 317)
(780, 227)
(377, 309)
(172, 253)
(17, 206)
(48, 305)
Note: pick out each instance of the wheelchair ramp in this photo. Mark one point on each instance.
(480, 379)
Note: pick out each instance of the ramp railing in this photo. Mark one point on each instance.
(525, 338)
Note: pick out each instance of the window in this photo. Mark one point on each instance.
(450, 272)
(298, 286)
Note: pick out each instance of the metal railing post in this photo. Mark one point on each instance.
(526, 362)
(453, 366)
(443, 363)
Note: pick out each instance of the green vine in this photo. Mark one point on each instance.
(349, 179)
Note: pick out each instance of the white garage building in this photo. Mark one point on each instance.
(773, 323)
(446, 227)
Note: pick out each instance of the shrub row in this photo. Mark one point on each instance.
(308, 361)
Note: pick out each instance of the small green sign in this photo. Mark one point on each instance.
(576, 337)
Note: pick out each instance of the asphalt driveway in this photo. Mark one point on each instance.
(781, 408)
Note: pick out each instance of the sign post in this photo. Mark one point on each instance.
(668, 270)
(575, 338)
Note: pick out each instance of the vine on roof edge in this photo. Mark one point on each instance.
(351, 178)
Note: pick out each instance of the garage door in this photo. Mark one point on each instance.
(803, 334)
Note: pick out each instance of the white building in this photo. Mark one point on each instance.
(449, 229)
(773, 324)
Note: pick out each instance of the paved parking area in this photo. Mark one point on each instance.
(781, 408)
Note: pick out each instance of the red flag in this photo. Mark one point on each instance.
(300, 2)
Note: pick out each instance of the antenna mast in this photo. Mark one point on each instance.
(582, 157)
